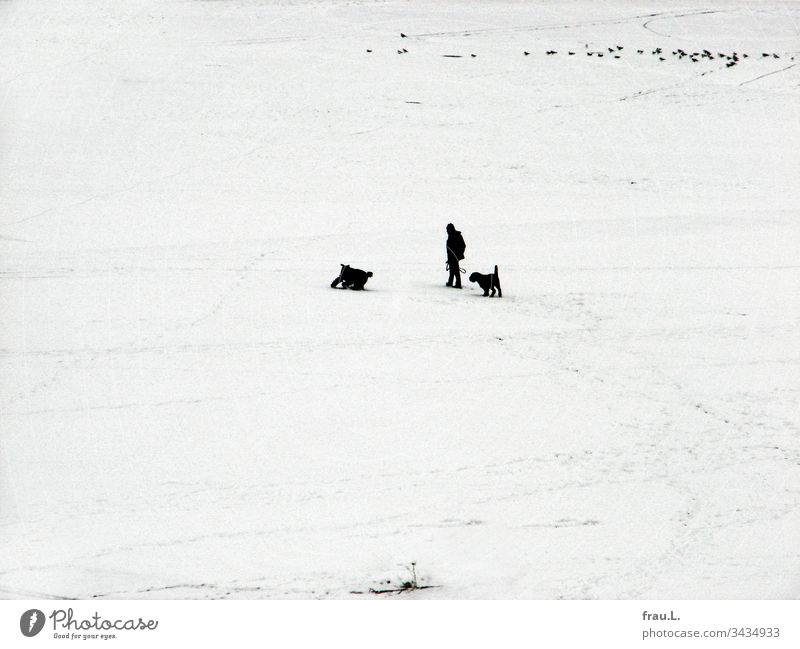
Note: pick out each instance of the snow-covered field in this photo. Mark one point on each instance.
(188, 410)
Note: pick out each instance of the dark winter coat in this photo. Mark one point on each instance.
(455, 245)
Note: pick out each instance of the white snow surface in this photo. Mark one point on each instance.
(189, 410)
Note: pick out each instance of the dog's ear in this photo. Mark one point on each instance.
(369, 274)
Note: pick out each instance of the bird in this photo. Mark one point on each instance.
(473, 55)
(526, 53)
(610, 49)
(402, 35)
(369, 51)
(775, 56)
(405, 51)
(619, 47)
(616, 56)
(399, 51)
(640, 51)
(572, 53)
(661, 58)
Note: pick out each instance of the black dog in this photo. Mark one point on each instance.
(354, 278)
(488, 282)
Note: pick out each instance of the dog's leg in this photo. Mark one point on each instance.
(335, 282)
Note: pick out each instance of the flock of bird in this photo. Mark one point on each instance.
(731, 59)
(616, 52)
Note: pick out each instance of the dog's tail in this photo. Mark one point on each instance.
(496, 274)
(369, 273)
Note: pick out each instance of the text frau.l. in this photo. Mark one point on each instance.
(67, 621)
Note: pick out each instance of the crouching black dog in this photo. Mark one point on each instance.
(488, 282)
(354, 278)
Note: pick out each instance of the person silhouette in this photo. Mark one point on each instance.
(455, 253)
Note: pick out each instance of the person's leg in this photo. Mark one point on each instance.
(457, 271)
(450, 279)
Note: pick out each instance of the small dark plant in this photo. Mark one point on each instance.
(410, 583)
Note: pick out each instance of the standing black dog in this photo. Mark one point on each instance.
(488, 282)
(354, 278)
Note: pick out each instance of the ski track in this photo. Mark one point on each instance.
(788, 67)
(674, 16)
(533, 28)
